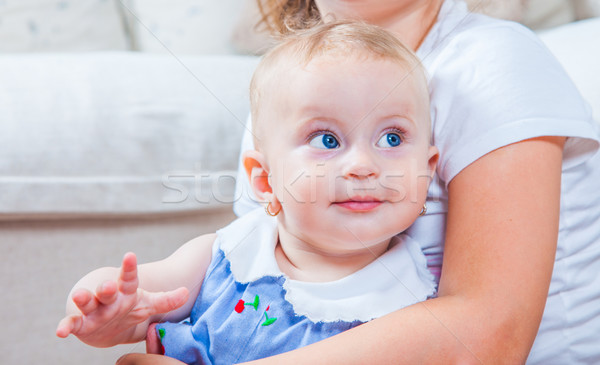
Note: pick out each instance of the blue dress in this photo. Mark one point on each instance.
(247, 309)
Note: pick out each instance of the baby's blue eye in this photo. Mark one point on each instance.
(389, 140)
(324, 141)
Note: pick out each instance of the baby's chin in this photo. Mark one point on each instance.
(357, 240)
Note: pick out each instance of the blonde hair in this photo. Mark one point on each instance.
(349, 39)
(285, 16)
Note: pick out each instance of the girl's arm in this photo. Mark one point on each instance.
(502, 230)
(147, 359)
(115, 305)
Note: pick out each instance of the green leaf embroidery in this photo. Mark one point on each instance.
(255, 304)
(269, 321)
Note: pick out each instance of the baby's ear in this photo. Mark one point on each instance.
(434, 156)
(258, 173)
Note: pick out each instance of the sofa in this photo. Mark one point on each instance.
(120, 126)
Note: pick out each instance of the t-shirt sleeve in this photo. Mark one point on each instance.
(496, 85)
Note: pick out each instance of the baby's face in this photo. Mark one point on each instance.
(347, 145)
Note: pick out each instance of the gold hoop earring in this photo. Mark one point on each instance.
(424, 210)
(268, 210)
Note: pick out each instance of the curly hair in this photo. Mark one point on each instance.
(285, 16)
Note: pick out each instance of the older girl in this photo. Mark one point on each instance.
(517, 191)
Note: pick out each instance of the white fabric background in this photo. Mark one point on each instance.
(61, 25)
(577, 48)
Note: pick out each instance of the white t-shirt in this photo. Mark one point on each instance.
(493, 83)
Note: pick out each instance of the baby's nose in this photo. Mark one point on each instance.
(360, 164)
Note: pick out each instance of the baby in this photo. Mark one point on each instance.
(342, 162)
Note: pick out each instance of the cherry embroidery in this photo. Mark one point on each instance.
(268, 321)
(161, 335)
(239, 307)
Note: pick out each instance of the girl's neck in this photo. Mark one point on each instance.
(413, 28)
(410, 21)
(304, 261)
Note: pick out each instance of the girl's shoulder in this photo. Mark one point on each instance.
(473, 36)
(486, 38)
(493, 83)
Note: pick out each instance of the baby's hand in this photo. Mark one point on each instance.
(114, 312)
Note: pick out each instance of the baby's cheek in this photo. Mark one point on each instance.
(395, 188)
(298, 187)
(285, 190)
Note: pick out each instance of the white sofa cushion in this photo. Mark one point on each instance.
(65, 25)
(577, 47)
(182, 26)
(119, 133)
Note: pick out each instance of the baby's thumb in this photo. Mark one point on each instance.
(171, 300)
(68, 325)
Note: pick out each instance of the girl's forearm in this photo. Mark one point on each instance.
(437, 331)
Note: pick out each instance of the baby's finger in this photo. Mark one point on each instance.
(168, 301)
(107, 292)
(85, 301)
(68, 325)
(128, 279)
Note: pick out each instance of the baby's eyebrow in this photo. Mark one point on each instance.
(400, 116)
(309, 121)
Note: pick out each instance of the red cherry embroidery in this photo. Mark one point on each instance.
(239, 307)
(161, 335)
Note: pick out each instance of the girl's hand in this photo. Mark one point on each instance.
(147, 359)
(118, 312)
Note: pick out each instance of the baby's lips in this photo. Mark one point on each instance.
(360, 206)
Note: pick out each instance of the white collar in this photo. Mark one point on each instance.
(395, 280)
